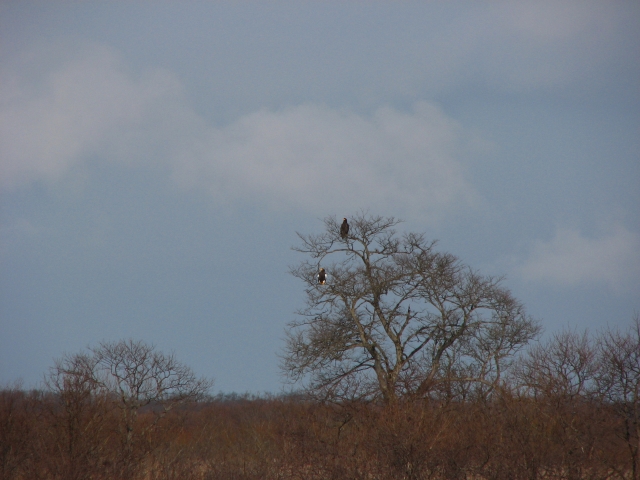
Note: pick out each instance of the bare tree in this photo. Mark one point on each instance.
(561, 375)
(133, 375)
(618, 381)
(139, 375)
(562, 368)
(397, 317)
(79, 413)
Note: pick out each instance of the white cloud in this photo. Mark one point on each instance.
(85, 105)
(306, 156)
(549, 20)
(315, 157)
(571, 258)
(524, 46)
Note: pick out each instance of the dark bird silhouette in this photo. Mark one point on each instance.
(322, 277)
(344, 228)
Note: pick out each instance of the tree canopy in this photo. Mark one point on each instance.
(397, 317)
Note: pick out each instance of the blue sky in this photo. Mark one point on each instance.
(158, 158)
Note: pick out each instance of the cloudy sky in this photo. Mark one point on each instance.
(158, 158)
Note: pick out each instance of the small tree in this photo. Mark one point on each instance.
(560, 374)
(397, 317)
(618, 381)
(133, 375)
(79, 417)
(563, 369)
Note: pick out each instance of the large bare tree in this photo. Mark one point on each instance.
(396, 317)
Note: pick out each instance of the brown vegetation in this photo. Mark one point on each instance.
(568, 409)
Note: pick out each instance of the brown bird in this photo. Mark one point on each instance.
(344, 228)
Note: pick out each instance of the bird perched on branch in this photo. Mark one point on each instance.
(322, 277)
(344, 228)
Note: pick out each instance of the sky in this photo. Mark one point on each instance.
(158, 158)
